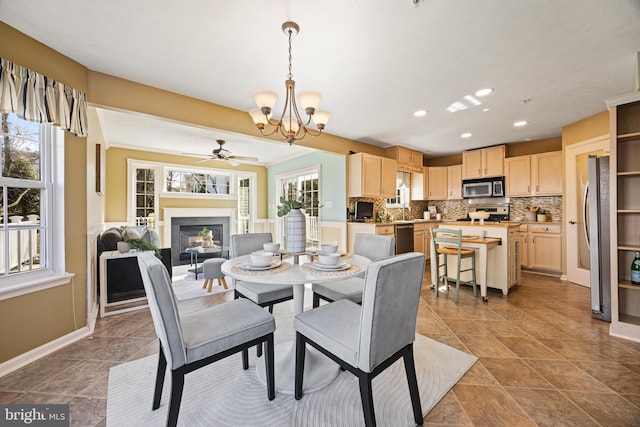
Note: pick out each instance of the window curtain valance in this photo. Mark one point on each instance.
(37, 98)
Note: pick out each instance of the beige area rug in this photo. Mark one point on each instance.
(222, 394)
(185, 286)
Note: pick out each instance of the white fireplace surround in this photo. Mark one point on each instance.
(170, 213)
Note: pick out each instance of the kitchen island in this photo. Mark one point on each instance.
(497, 262)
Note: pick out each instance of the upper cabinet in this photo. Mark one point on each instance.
(485, 162)
(437, 183)
(454, 182)
(371, 176)
(534, 175)
(407, 160)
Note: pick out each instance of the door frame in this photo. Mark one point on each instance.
(574, 274)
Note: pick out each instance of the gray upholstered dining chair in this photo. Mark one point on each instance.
(371, 246)
(189, 342)
(265, 295)
(367, 339)
(447, 243)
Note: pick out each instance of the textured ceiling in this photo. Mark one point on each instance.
(375, 61)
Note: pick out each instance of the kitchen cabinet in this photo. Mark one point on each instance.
(624, 116)
(371, 176)
(422, 237)
(417, 186)
(437, 183)
(543, 247)
(407, 160)
(454, 182)
(385, 229)
(534, 175)
(485, 162)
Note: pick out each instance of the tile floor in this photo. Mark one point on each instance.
(542, 360)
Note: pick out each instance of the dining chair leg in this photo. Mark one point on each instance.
(177, 386)
(269, 368)
(414, 393)
(162, 368)
(259, 350)
(299, 368)
(458, 278)
(367, 399)
(245, 359)
(473, 274)
(316, 300)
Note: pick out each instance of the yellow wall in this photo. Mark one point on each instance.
(32, 320)
(587, 128)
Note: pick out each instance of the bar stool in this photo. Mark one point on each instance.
(452, 239)
(212, 269)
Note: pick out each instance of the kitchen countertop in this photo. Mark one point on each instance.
(455, 222)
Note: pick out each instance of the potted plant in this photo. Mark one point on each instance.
(144, 245)
(542, 215)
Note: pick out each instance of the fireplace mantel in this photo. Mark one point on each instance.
(170, 213)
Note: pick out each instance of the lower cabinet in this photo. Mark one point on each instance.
(542, 247)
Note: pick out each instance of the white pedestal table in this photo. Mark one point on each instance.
(319, 369)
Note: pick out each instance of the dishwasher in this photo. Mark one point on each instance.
(404, 238)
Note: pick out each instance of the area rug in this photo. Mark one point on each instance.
(185, 286)
(222, 394)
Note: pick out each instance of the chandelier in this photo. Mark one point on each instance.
(290, 125)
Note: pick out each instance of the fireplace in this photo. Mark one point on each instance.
(186, 236)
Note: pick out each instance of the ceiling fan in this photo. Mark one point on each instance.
(224, 154)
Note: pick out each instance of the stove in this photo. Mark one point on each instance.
(498, 208)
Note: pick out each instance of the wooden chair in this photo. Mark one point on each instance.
(365, 340)
(451, 241)
(188, 342)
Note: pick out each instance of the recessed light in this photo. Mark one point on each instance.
(484, 92)
(420, 113)
(486, 109)
(520, 123)
(466, 135)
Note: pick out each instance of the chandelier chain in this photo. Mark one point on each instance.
(290, 75)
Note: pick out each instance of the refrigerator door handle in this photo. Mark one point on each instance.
(585, 215)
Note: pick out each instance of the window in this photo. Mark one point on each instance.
(145, 196)
(191, 182)
(403, 191)
(244, 205)
(27, 198)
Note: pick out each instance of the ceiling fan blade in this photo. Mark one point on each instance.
(203, 160)
(252, 159)
(232, 162)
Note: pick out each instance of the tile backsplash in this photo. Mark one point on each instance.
(454, 209)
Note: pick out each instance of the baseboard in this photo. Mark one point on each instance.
(44, 350)
(93, 317)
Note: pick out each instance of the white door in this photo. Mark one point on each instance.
(577, 248)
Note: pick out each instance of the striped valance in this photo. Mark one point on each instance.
(37, 98)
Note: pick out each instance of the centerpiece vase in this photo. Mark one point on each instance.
(296, 231)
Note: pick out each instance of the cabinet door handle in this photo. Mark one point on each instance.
(536, 188)
(572, 222)
(485, 171)
(479, 172)
(528, 190)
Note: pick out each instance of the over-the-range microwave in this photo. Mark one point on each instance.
(483, 187)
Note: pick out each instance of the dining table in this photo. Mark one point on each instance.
(479, 244)
(296, 270)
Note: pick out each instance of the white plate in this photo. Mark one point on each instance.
(338, 267)
(274, 264)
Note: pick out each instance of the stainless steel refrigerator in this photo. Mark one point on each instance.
(597, 228)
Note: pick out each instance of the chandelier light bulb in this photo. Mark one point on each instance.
(320, 118)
